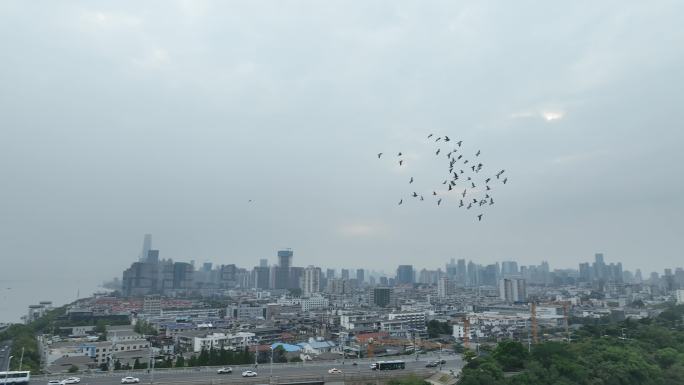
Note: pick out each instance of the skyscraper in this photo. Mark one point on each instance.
(381, 296)
(147, 245)
(263, 262)
(330, 274)
(513, 290)
(311, 280)
(509, 268)
(404, 275)
(360, 276)
(285, 258)
(345, 273)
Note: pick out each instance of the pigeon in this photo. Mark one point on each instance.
(466, 161)
(460, 203)
(401, 162)
(446, 138)
(438, 150)
(445, 182)
(473, 184)
(399, 154)
(479, 217)
(477, 153)
(488, 188)
(434, 193)
(474, 200)
(401, 201)
(438, 139)
(505, 180)
(464, 192)
(450, 187)
(414, 195)
(411, 181)
(459, 143)
(430, 136)
(491, 201)
(459, 157)
(487, 180)
(469, 206)
(379, 155)
(439, 201)
(421, 198)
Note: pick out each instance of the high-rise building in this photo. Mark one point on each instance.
(445, 287)
(405, 275)
(285, 258)
(263, 262)
(473, 278)
(311, 281)
(261, 277)
(461, 272)
(296, 274)
(281, 276)
(509, 268)
(360, 276)
(147, 245)
(513, 290)
(330, 274)
(381, 296)
(345, 273)
(584, 272)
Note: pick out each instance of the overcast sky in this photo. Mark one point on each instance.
(124, 118)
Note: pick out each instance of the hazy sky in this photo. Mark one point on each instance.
(124, 118)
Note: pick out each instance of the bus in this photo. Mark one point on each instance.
(388, 365)
(14, 378)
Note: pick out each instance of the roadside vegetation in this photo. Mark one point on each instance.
(648, 352)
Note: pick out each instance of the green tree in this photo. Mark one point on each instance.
(73, 369)
(180, 361)
(510, 355)
(666, 357)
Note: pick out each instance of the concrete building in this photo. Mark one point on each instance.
(513, 290)
(405, 275)
(381, 296)
(311, 281)
(152, 305)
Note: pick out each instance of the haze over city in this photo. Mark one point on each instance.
(123, 119)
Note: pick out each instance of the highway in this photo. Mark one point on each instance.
(282, 373)
(5, 351)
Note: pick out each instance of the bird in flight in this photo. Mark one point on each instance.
(421, 198)
(434, 193)
(401, 201)
(438, 139)
(479, 217)
(459, 143)
(429, 136)
(446, 138)
(439, 201)
(415, 195)
(399, 154)
(477, 153)
(464, 192)
(505, 180)
(473, 184)
(401, 161)
(460, 203)
(438, 150)
(379, 155)
(411, 181)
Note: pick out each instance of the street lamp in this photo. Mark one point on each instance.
(9, 360)
(271, 360)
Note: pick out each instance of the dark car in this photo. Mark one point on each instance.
(433, 364)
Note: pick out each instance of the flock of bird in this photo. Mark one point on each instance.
(464, 176)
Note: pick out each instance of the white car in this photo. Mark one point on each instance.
(249, 373)
(225, 371)
(71, 380)
(334, 371)
(130, 380)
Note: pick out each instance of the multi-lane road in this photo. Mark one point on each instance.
(5, 351)
(279, 373)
